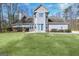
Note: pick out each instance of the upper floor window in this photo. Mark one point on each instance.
(41, 14)
(41, 26)
(78, 6)
(46, 26)
(77, 13)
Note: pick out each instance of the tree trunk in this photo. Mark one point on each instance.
(1, 17)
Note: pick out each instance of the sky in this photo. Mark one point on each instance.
(53, 8)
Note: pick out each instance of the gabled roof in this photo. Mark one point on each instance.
(39, 7)
(24, 19)
(55, 19)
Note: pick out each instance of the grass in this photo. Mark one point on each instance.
(39, 44)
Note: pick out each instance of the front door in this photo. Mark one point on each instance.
(40, 27)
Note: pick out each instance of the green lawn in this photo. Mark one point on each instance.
(41, 44)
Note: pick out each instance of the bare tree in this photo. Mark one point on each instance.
(12, 8)
(65, 14)
(1, 16)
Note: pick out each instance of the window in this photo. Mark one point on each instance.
(38, 26)
(35, 26)
(77, 13)
(46, 16)
(78, 6)
(46, 26)
(41, 26)
(30, 26)
(40, 14)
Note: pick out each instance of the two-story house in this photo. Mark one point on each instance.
(40, 22)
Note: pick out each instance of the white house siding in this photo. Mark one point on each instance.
(22, 25)
(58, 27)
(40, 20)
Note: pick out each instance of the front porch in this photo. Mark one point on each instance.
(23, 27)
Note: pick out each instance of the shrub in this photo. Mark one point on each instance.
(60, 31)
(55, 30)
(68, 30)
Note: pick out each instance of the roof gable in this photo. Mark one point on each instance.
(41, 9)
